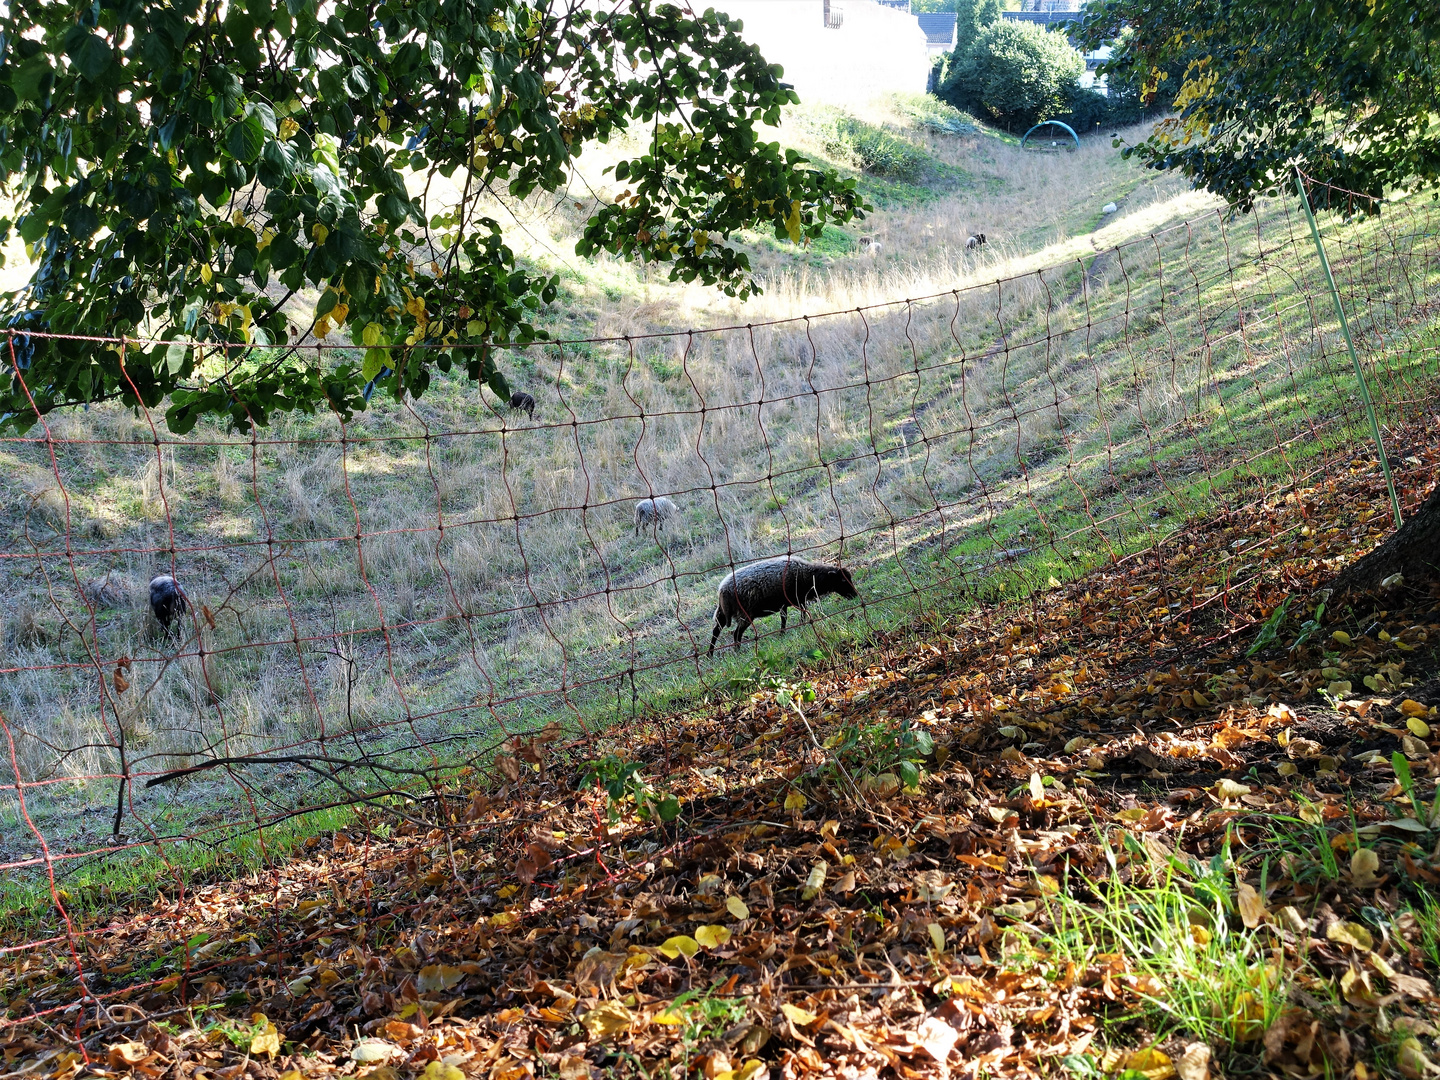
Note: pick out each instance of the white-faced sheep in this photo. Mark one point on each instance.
(523, 402)
(772, 585)
(167, 600)
(652, 513)
(975, 241)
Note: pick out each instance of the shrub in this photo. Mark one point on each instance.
(1016, 73)
(875, 150)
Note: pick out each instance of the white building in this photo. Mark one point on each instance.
(837, 52)
(1065, 16)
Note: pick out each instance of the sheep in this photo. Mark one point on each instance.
(523, 402)
(107, 592)
(870, 246)
(774, 585)
(653, 512)
(167, 600)
(975, 241)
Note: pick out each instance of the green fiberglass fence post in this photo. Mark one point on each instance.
(1350, 344)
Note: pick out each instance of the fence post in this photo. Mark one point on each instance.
(1349, 344)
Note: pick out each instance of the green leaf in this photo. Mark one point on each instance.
(29, 77)
(245, 139)
(908, 773)
(499, 386)
(93, 57)
(669, 808)
(376, 360)
(1271, 630)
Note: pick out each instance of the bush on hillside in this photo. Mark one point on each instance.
(875, 150)
(1015, 73)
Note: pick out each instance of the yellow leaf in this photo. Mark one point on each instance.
(382, 121)
(1229, 789)
(1412, 1060)
(679, 945)
(206, 273)
(1152, 1063)
(607, 1020)
(737, 907)
(668, 1018)
(371, 1050)
(1341, 637)
(1414, 708)
(1340, 688)
(266, 1039)
(1352, 934)
(712, 937)
(792, 223)
(438, 1070)
(750, 1070)
(437, 977)
(937, 936)
(1252, 907)
(1419, 728)
(265, 238)
(1363, 865)
(507, 891)
(795, 801)
(371, 334)
(320, 233)
(798, 1016)
(505, 918)
(814, 883)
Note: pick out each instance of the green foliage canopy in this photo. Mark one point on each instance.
(1018, 73)
(1347, 89)
(181, 171)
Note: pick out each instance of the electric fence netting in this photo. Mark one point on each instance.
(380, 609)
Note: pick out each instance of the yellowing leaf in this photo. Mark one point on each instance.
(266, 1039)
(507, 891)
(437, 977)
(1229, 789)
(798, 1016)
(1363, 865)
(607, 1020)
(1339, 688)
(504, 918)
(750, 1070)
(371, 334)
(792, 223)
(1352, 934)
(712, 937)
(937, 936)
(814, 883)
(320, 233)
(737, 907)
(795, 801)
(206, 273)
(668, 1018)
(679, 945)
(1252, 907)
(438, 1070)
(1419, 728)
(1152, 1063)
(1341, 637)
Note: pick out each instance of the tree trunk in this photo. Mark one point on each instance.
(1414, 550)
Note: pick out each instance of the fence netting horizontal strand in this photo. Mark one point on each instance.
(377, 606)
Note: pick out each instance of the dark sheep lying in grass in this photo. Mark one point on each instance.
(653, 513)
(523, 402)
(167, 600)
(777, 584)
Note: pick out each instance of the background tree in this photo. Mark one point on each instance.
(182, 169)
(1015, 73)
(1345, 88)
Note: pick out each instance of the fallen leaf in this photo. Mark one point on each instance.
(795, 801)
(737, 907)
(846, 884)
(367, 1051)
(936, 1038)
(1414, 708)
(937, 936)
(1252, 907)
(438, 1070)
(1412, 1060)
(814, 883)
(1229, 789)
(1153, 1064)
(798, 1016)
(1363, 865)
(609, 1019)
(1419, 728)
(124, 1054)
(679, 945)
(574, 1068)
(1352, 934)
(436, 977)
(712, 937)
(1194, 1064)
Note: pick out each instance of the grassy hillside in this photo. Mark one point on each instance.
(405, 592)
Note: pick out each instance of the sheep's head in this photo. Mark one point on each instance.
(845, 586)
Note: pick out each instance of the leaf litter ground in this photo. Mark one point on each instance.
(1127, 828)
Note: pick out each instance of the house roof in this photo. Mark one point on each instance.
(939, 27)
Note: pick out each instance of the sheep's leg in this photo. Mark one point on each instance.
(784, 614)
(740, 628)
(714, 633)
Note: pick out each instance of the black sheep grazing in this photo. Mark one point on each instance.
(777, 584)
(167, 600)
(523, 402)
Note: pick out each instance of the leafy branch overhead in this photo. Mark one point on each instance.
(1345, 90)
(181, 172)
